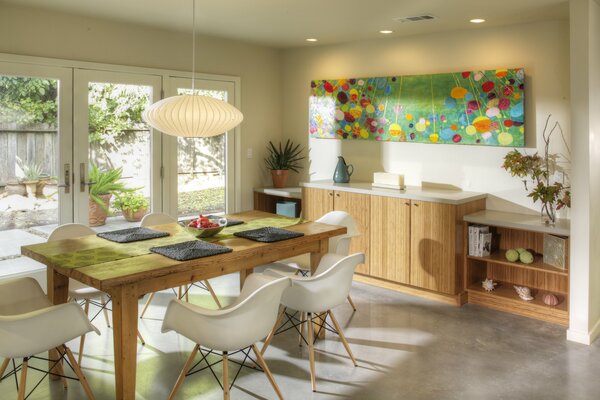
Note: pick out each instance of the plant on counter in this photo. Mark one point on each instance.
(549, 179)
(282, 159)
(133, 204)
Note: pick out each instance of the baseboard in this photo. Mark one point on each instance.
(586, 338)
(456, 300)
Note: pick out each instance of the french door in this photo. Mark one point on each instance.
(200, 174)
(111, 140)
(35, 157)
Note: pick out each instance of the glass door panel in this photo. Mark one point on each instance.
(118, 177)
(35, 155)
(204, 165)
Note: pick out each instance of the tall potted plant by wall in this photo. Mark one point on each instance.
(105, 183)
(283, 159)
(133, 205)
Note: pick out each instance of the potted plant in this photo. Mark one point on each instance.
(133, 205)
(549, 179)
(282, 159)
(32, 173)
(105, 183)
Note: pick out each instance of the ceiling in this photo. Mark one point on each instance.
(287, 23)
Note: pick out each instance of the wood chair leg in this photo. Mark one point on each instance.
(141, 338)
(86, 309)
(267, 371)
(23, 382)
(226, 394)
(311, 353)
(213, 294)
(342, 337)
(3, 367)
(61, 371)
(184, 371)
(272, 333)
(301, 334)
(82, 380)
(147, 304)
(351, 303)
(105, 311)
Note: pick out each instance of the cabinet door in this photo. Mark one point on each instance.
(358, 206)
(316, 203)
(389, 248)
(432, 246)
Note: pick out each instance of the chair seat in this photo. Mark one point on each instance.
(78, 290)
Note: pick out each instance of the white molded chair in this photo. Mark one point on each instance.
(337, 244)
(316, 295)
(237, 326)
(160, 219)
(78, 291)
(31, 324)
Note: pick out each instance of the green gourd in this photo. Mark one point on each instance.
(512, 255)
(526, 257)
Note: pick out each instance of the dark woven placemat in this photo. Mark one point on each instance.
(190, 250)
(230, 222)
(268, 234)
(131, 235)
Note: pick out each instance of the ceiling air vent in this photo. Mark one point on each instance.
(415, 18)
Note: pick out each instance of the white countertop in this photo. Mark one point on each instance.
(519, 221)
(411, 192)
(290, 192)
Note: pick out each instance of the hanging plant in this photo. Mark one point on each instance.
(544, 177)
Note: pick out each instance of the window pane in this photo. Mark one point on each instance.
(201, 169)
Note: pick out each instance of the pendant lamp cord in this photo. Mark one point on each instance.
(193, 45)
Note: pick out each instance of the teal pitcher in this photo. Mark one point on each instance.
(342, 171)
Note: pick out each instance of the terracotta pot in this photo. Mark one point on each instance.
(280, 177)
(134, 216)
(31, 187)
(97, 215)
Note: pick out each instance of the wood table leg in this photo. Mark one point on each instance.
(243, 275)
(58, 292)
(125, 317)
(315, 258)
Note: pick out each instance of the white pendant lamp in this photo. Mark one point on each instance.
(192, 115)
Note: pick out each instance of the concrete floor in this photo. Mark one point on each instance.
(407, 348)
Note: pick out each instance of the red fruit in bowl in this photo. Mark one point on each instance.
(193, 224)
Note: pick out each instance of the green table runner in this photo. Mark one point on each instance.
(118, 251)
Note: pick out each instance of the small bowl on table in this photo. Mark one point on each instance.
(205, 232)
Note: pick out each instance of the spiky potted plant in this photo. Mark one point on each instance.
(283, 159)
(104, 184)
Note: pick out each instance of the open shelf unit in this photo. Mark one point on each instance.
(541, 278)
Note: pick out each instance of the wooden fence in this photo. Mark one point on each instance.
(31, 146)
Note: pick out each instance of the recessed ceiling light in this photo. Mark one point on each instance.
(477, 20)
(386, 32)
(312, 40)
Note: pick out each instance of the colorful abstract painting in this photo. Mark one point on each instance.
(483, 108)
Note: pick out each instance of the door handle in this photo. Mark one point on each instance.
(67, 178)
(82, 176)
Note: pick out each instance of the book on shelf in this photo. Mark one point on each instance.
(480, 240)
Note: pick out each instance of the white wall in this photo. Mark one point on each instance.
(585, 219)
(34, 32)
(541, 48)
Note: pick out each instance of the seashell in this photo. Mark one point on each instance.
(488, 285)
(550, 299)
(524, 293)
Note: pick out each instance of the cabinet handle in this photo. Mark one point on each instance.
(337, 195)
(416, 205)
(330, 194)
(407, 203)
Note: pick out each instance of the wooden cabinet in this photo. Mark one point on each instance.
(357, 205)
(389, 247)
(316, 203)
(415, 245)
(432, 246)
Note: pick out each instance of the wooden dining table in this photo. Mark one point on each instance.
(127, 279)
